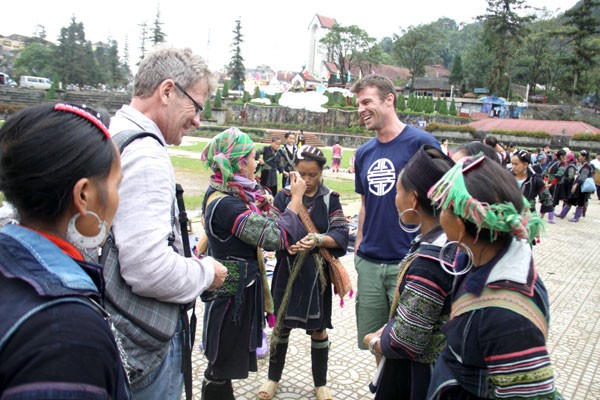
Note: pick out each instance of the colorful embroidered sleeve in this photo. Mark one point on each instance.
(544, 196)
(338, 226)
(415, 332)
(517, 359)
(584, 172)
(259, 231)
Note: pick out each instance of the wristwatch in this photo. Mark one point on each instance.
(372, 345)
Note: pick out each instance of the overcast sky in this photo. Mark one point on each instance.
(275, 32)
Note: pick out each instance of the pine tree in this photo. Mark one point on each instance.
(330, 99)
(143, 40)
(429, 106)
(256, 94)
(457, 75)
(218, 99)
(236, 68)
(581, 28)
(342, 100)
(443, 110)
(418, 104)
(438, 104)
(207, 113)
(225, 89)
(400, 103)
(412, 102)
(246, 97)
(452, 110)
(158, 36)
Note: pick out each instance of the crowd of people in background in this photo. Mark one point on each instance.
(448, 299)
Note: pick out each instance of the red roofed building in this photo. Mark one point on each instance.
(568, 128)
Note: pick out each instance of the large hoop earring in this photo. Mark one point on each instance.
(81, 241)
(404, 227)
(452, 262)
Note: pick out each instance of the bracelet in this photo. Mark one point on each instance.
(372, 345)
(317, 238)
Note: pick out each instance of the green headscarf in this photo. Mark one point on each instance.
(225, 151)
(451, 191)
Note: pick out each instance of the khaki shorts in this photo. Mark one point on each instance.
(376, 285)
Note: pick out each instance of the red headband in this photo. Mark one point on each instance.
(82, 113)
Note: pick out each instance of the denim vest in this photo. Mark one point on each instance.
(55, 277)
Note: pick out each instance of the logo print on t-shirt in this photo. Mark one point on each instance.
(381, 177)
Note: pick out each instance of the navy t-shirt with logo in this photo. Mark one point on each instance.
(377, 167)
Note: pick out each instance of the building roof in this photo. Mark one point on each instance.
(326, 22)
(568, 128)
(425, 83)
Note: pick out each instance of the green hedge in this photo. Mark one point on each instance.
(588, 137)
(436, 127)
(534, 134)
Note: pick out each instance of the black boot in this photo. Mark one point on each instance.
(217, 390)
(319, 355)
(277, 359)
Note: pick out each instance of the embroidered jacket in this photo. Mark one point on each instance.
(413, 340)
(494, 352)
(310, 308)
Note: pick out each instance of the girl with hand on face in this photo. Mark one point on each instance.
(302, 290)
(60, 169)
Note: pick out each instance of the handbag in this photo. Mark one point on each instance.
(588, 186)
(337, 273)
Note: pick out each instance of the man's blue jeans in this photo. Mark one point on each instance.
(166, 382)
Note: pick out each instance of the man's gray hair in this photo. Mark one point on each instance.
(166, 62)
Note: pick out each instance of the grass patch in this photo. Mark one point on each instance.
(344, 187)
(190, 165)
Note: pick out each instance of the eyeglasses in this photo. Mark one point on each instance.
(198, 107)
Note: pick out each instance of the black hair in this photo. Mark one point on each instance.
(275, 138)
(475, 147)
(523, 155)
(422, 171)
(585, 154)
(560, 153)
(287, 134)
(310, 153)
(43, 153)
(491, 141)
(490, 182)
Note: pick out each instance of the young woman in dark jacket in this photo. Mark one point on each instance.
(60, 169)
(532, 185)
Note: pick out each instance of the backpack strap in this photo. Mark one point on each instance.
(61, 300)
(125, 138)
(501, 298)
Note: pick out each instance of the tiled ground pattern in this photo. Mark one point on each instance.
(568, 261)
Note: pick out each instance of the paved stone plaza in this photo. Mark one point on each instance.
(567, 261)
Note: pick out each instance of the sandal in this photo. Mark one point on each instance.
(267, 390)
(323, 393)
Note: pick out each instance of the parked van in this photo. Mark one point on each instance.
(35, 82)
(6, 80)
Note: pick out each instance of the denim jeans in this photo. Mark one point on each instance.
(166, 382)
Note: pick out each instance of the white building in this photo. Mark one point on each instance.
(317, 29)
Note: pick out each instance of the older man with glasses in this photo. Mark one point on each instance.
(150, 320)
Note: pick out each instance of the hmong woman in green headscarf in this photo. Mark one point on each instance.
(496, 336)
(238, 223)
